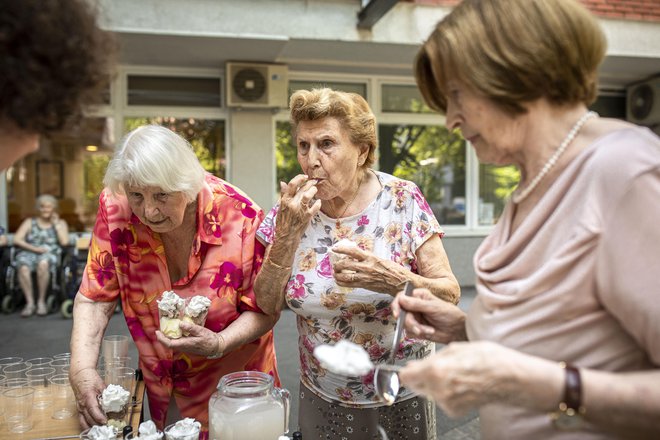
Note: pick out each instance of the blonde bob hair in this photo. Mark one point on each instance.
(350, 109)
(152, 155)
(513, 52)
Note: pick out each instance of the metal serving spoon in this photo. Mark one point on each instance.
(386, 382)
(386, 377)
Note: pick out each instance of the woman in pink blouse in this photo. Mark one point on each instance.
(165, 224)
(565, 331)
(396, 239)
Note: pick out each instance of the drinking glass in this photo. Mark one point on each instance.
(172, 432)
(6, 384)
(114, 346)
(39, 380)
(16, 371)
(3, 378)
(118, 375)
(85, 434)
(62, 356)
(14, 383)
(116, 419)
(61, 365)
(124, 361)
(39, 362)
(18, 409)
(9, 361)
(150, 430)
(63, 400)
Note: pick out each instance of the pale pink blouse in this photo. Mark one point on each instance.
(579, 280)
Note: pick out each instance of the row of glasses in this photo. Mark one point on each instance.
(42, 383)
(34, 385)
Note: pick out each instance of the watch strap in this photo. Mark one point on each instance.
(572, 388)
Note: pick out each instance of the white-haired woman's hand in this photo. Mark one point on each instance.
(200, 341)
(87, 385)
(297, 207)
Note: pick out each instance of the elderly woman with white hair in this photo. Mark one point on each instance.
(39, 241)
(164, 224)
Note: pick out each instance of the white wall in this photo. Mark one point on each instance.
(252, 154)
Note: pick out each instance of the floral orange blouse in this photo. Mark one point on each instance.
(127, 260)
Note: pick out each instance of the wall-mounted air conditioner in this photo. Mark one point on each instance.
(643, 102)
(255, 85)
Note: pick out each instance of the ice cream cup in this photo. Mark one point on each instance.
(170, 326)
(117, 407)
(85, 435)
(183, 431)
(147, 431)
(170, 312)
(196, 311)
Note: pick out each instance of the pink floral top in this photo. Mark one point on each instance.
(393, 227)
(127, 260)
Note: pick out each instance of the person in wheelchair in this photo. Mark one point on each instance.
(39, 242)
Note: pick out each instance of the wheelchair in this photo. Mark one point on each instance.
(72, 273)
(13, 295)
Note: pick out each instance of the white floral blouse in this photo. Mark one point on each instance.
(396, 223)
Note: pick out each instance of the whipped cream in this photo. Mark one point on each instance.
(344, 242)
(345, 358)
(197, 306)
(114, 398)
(148, 431)
(184, 428)
(170, 304)
(102, 433)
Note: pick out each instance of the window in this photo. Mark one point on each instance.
(495, 186)
(433, 158)
(173, 91)
(402, 98)
(207, 138)
(77, 158)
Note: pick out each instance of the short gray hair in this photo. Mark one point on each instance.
(48, 199)
(153, 155)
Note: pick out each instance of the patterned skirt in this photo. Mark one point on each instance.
(412, 419)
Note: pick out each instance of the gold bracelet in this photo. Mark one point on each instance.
(277, 265)
(219, 349)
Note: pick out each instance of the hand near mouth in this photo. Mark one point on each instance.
(297, 205)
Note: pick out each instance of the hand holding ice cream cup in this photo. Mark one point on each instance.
(173, 310)
(114, 403)
(170, 313)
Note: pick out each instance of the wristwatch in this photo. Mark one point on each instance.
(570, 415)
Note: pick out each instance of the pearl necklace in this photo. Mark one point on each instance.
(519, 196)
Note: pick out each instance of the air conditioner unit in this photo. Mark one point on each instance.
(254, 85)
(643, 102)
